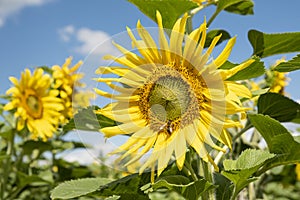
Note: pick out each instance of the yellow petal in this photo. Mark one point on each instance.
(239, 89)
(151, 45)
(228, 73)
(126, 128)
(180, 149)
(223, 57)
(163, 42)
(147, 147)
(117, 97)
(120, 71)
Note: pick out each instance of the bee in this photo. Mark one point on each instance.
(168, 127)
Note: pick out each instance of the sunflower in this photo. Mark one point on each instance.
(278, 80)
(35, 103)
(171, 96)
(65, 79)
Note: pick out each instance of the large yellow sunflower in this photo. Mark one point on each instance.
(65, 80)
(35, 103)
(171, 96)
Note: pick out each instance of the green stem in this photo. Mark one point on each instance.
(189, 167)
(246, 128)
(7, 164)
(189, 24)
(212, 18)
(207, 174)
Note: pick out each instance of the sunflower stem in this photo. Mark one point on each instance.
(207, 174)
(189, 167)
(246, 128)
(189, 24)
(211, 19)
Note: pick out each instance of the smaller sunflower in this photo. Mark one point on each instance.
(65, 79)
(278, 80)
(35, 103)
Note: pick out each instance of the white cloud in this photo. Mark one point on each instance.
(95, 42)
(12, 7)
(97, 146)
(66, 32)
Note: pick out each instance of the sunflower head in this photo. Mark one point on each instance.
(65, 81)
(34, 103)
(168, 96)
(277, 80)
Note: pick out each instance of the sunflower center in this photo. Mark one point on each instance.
(169, 98)
(33, 105)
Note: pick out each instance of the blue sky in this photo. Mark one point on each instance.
(45, 32)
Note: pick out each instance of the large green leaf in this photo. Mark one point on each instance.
(243, 7)
(250, 158)
(77, 188)
(86, 119)
(278, 139)
(25, 180)
(252, 71)
(289, 66)
(278, 107)
(127, 187)
(31, 145)
(170, 10)
(240, 171)
(213, 33)
(264, 44)
(225, 187)
(189, 189)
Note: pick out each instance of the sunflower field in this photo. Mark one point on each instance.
(177, 118)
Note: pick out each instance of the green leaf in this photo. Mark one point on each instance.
(171, 182)
(3, 157)
(213, 33)
(196, 189)
(6, 134)
(31, 145)
(25, 180)
(243, 7)
(112, 198)
(181, 184)
(265, 45)
(225, 187)
(86, 119)
(278, 139)
(127, 187)
(47, 69)
(249, 158)
(289, 66)
(170, 10)
(77, 188)
(259, 92)
(278, 107)
(240, 171)
(254, 70)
